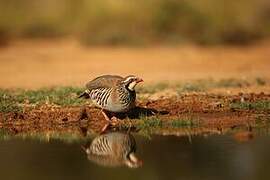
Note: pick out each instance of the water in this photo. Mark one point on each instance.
(164, 157)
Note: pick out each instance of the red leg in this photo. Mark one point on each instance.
(110, 121)
(105, 116)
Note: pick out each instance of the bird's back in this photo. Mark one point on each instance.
(108, 93)
(105, 81)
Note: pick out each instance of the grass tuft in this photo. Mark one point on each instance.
(50, 136)
(259, 105)
(260, 81)
(153, 122)
(8, 103)
(191, 87)
(183, 123)
(147, 123)
(4, 135)
(228, 83)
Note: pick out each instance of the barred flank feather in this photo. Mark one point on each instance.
(101, 96)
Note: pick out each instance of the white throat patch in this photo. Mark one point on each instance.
(132, 85)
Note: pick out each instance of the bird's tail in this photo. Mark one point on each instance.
(85, 94)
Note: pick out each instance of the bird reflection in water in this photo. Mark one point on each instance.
(113, 149)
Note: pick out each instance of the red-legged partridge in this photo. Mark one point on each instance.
(114, 149)
(112, 93)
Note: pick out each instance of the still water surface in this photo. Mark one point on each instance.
(161, 157)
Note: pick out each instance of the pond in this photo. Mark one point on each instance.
(112, 156)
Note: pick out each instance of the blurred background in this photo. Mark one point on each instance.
(112, 22)
(39, 38)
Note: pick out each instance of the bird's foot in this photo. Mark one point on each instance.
(115, 121)
(111, 123)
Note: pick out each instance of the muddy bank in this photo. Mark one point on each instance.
(208, 113)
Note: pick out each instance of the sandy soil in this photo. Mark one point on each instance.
(40, 63)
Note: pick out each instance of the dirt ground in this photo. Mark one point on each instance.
(40, 63)
(211, 113)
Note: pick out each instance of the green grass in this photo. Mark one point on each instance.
(194, 86)
(8, 103)
(205, 84)
(186, 122)
(228, 83)
(147, 125)
(63, 96)
(259, 105)
(66, 137)
(191, 87)
(4, 135)
(260, 81)
(145, 122)
(202, 85)
(13, 100)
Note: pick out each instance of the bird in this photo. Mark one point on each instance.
(112, 94)
(113, 149)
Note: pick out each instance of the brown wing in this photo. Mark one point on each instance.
(105, 81)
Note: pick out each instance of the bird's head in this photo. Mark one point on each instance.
(132, 161)
(131, 81)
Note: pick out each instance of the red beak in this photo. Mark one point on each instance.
(139, 80)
